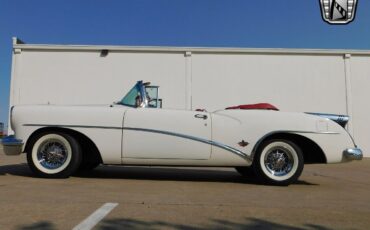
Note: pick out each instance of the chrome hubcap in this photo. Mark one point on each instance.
(52, 154)
(279, 161)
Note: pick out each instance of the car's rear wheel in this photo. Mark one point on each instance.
(54, 155)
(278, 162)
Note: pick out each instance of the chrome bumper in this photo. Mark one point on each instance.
(11, 146)
(353, 154)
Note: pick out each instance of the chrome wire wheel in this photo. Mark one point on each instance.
(52, 154)
(279, 161)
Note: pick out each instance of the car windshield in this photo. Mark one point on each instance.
(142, 95)
(132, 98)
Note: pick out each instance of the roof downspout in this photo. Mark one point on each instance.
(188, 81)
(349, 106)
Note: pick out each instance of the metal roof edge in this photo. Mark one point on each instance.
(186, 49)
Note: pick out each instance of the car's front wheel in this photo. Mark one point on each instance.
(54, 155)
(278, 162)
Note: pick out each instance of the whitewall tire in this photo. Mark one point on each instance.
(278, 162)
(54, 155)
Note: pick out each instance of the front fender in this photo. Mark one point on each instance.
(101, 124)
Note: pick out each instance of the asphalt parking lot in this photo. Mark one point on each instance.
(326, 197)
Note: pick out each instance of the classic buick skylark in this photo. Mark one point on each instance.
(255, 139)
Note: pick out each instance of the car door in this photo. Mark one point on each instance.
(166, 134)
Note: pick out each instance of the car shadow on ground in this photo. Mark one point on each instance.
(16, 170)
(126, 223)
(151, 173)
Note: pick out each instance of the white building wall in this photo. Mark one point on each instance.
(292, 80)
(360, 84)
(58, 77)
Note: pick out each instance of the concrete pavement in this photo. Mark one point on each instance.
(326, 197)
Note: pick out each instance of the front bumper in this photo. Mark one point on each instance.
(353, 154)
(11, 146)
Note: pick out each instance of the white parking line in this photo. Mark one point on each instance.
(96, 217)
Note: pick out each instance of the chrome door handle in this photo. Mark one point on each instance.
(201, 116)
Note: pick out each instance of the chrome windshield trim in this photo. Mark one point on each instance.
(214, 143)
(74, 126)
(143, 95)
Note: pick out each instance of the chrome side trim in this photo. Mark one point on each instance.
(214, 143)
(312, 132)
(342, 120)
(74, 126)
(210, 142)
(350, 136)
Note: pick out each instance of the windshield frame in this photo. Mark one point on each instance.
(140, 87)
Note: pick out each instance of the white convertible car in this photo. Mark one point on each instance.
(255, 139)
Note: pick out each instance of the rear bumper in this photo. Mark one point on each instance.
(11, 146)
(353, 154)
